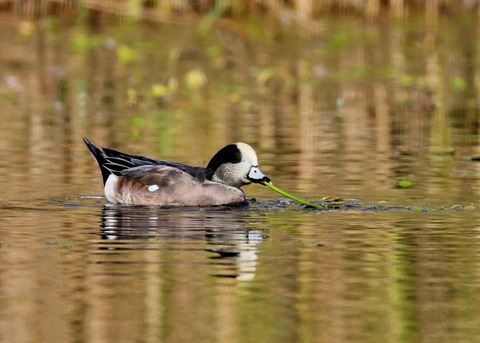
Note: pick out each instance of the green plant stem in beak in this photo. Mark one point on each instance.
(293, 197)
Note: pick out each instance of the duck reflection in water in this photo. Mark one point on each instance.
(221, 231)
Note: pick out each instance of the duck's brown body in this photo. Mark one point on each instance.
(137, 180)
(161, 185)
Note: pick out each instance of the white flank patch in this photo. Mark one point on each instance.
(109, 189)
(153, 188)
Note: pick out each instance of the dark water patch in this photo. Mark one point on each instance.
(113, 212)
(83, 200)
(338, 205)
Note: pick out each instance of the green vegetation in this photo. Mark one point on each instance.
(293, 197)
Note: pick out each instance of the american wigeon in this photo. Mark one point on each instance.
(138, 180)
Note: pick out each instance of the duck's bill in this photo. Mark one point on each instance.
(257, 176)
(293, 197)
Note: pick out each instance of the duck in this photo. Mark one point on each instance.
(138, 180)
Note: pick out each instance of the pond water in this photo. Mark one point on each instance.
(383, 117)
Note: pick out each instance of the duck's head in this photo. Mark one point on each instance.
(235, 165)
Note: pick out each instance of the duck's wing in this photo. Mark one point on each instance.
(115, 162)
(118, 161)
(166, 185)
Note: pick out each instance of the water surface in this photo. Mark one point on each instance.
(349, 113)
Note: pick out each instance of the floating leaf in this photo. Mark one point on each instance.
(125, 54)
(195, 79)
(405, 184)
(163, 92)
(160, 90)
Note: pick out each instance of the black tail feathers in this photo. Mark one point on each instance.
(100, 157)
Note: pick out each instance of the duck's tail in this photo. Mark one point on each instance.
(115, 162)
(100, 157)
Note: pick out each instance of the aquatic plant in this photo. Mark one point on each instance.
(293, 197)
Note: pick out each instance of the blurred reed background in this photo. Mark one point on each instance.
(284, 12)
(346, 81)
